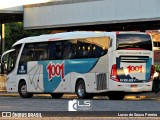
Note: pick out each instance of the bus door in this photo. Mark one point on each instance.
(30, 70)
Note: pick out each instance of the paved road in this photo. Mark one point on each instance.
(49, 104)
(100, 106)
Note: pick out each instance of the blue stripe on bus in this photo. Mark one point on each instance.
(73, 65)
(148, 69)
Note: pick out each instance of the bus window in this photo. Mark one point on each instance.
(84, 49)
(11, 62)
(134, 41)
(67, 49)
(41, 51)
(12, 58)
(55, 51)
(27, 53)
(158, 44)
(73, 53)
(100, 46)
(155, 44)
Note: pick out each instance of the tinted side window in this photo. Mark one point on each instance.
(100, 46)
(13, 58)
(84, 49)
(17, 49)
(158, 44)
(55, 50)
(27, 53)
(136, 41)
(77, 49)
(69, 49)
(155, 44)
(41, 51)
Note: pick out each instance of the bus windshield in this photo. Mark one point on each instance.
(12, 58)
(134, 42)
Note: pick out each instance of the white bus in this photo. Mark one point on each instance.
(85, 63)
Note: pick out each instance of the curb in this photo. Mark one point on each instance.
(5, 94)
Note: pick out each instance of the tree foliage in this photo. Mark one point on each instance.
(15, 32)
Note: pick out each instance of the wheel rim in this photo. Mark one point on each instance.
(24, 89)
(81, 90)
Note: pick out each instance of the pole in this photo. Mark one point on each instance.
(2, 44)
(3, 37)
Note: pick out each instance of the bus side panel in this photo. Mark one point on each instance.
(101, 65)
(91, 83)
(54, 75)
(12, 83)
(65, 85)
(43, 77)
(96, 82)
(74, 78)
(35, 77)
(101, 74)
(88, 78)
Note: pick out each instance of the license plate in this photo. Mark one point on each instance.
(134, 86)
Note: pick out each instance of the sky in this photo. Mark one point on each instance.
(14, 3)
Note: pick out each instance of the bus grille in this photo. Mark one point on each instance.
(101, 81)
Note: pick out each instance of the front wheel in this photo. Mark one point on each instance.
(22, 90)
(56, 95)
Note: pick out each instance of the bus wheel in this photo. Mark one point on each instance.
(116, 95)
(56, 95)
(80, 90)
(22, 90)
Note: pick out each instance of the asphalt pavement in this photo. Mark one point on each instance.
(70, 96)
(145, 96)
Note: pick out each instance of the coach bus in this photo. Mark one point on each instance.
(85, 63)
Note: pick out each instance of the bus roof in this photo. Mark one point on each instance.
(60, 36)
(65, 36)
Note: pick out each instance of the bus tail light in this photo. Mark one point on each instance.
(117, 33)
(114, 75)
(151, 73)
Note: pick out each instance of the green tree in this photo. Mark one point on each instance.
(15, 32)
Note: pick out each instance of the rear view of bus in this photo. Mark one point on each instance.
(132, 63)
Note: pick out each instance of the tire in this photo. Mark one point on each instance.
(81, 90)
(22, 90)
(56, 95)
(116, 95)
